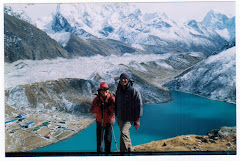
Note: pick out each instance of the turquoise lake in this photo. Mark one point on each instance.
(186, 114)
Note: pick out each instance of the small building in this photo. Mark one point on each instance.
(46, 123)
(21, 115)
(14, 120)
(30, 124)
(37, 128)
(8, 122)
(11, 121)
(21, 119)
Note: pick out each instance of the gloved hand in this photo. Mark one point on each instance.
(137, 123)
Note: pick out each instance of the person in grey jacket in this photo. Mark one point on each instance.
(128, 109)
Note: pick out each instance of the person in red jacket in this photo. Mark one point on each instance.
(103, 106)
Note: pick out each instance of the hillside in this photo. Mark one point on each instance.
(214, 78)
(24, 41)
(78, 46)
(223, 139)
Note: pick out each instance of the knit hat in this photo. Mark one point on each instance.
(124, 75)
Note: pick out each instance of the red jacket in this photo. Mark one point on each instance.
(109, 108)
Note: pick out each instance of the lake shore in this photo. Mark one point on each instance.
(51, 127)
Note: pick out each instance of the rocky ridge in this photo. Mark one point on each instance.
(77, 46)
(24, 41)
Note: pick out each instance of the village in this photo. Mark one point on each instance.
(28, 131)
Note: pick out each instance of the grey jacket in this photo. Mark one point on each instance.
(128, 105)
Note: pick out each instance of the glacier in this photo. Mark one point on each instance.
(71, 83)
(28, 71)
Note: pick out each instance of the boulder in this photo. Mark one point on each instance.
(222, 132)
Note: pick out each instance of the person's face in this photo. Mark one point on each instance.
(123, 81)
(104, 92)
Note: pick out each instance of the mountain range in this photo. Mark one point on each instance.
(25, 41)
(119, 29)
(153, 32)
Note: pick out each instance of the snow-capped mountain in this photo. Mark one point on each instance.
(213, 78)
(223, 25)
(24, 41)
(113, 28)
(152, 31)
(21, 14)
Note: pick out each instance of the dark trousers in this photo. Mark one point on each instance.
(106, 133)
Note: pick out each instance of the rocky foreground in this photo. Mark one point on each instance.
(223, 139)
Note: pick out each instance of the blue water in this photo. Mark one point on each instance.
(186, 114)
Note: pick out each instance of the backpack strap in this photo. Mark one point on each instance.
(131, 82)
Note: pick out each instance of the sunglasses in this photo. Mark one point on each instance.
(103, 89)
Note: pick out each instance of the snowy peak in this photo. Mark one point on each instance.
(19, 14)
(215, 20)
(102, 19)
(195, 25)
(60, 23)
(223, 25)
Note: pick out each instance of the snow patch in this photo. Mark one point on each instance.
(138, 46)
(163, 64)
(61, 37)
(223, 57)
(224, 33)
